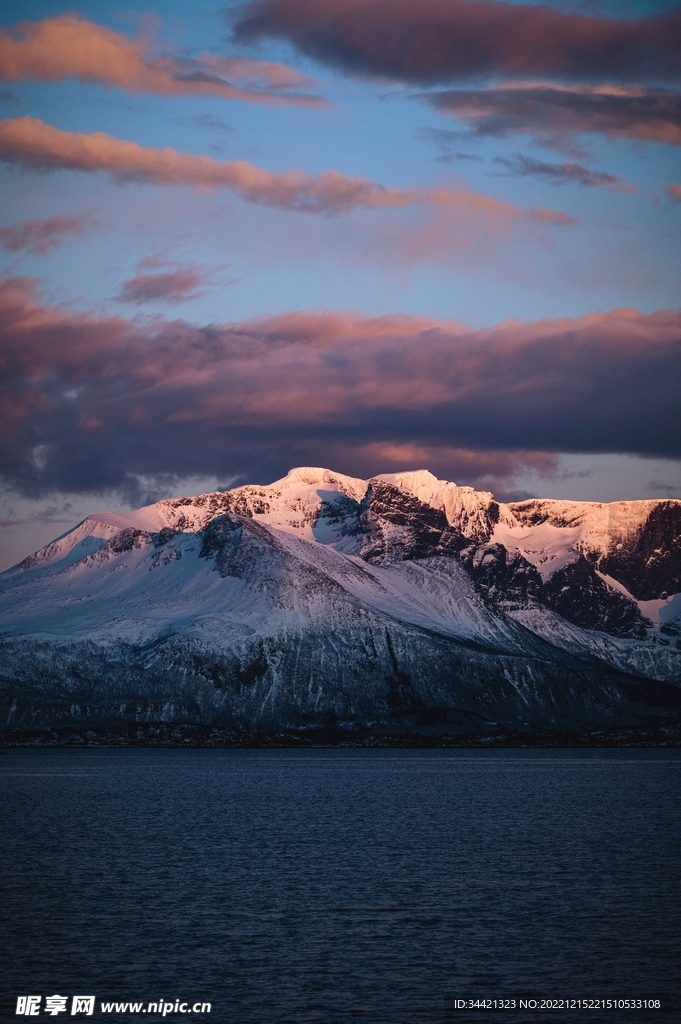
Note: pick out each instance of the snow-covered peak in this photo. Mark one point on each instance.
(473, 513)
(313, 476)
(319, 505)
(82, 540)
(421, 483)
(592, 527)
(303, 502)
(295, 504)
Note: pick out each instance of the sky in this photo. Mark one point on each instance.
(370, 235)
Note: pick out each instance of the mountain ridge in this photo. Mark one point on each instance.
(403, 603)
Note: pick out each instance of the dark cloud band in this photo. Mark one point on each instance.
(555, 113)
(438, 41)
(87, 402)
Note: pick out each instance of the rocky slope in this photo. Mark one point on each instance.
(399, 604)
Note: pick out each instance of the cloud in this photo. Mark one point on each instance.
(446, 140)
(256, 74)
(39, 236)
(29, 520)
(89, 403)
(561, 174)
(174, 286)
(666, 489)
(674, 192)
(30, 143)
(213, 124)
(489, 468)
(56, 48)
(556, 114)
(446, 40)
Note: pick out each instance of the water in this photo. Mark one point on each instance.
(343, 885)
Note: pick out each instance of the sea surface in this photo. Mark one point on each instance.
(323, 886)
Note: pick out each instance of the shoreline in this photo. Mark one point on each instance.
(183, 736)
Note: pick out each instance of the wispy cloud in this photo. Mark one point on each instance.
(39, 236)
(88, 402)
(175, 285)
(260, 75)
(37, 518)
(446, 141)
(674, 192)
(443, 41)
(666, 489)
(59, 47)
(31, 143)
(557, 114)
(561, 174)
(208, 121)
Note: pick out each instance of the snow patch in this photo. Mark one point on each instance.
(548, 548)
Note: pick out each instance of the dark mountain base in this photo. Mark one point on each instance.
(651, 733)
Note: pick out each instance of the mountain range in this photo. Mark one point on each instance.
(401, 606)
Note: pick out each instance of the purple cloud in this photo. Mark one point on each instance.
(438, 41)
(89, 402)
(39, 236)
(172, 286)
(557, 114)
(561, 174)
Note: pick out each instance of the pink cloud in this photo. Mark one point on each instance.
(495, 470)
(674, 192)
(256, 74)
(56, 48)
(31, 143)
(39, 236)
(175, 285)
(88, 402)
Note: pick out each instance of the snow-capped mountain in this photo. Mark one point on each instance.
(399, 603)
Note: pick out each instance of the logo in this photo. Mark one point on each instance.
(29, 1006)
(83, 1004)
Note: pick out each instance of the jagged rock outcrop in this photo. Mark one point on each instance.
(400, 604)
